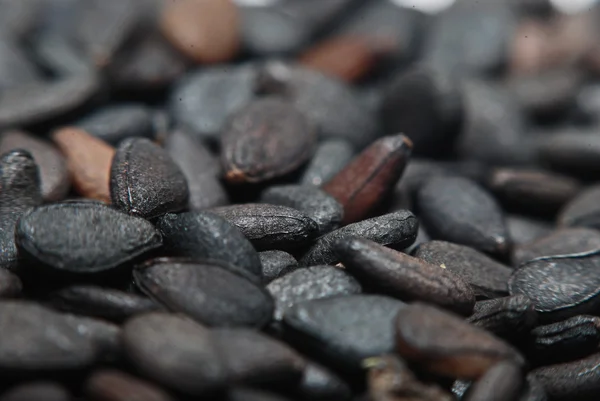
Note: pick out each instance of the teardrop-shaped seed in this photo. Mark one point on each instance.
(507, 317)
(270, 226)
(208, 293)
(52, 237)
(322, 208)
(204, 235)
(487, 277)
(145, 181)
(583, 210)
(445, 344)
(365, 182)
(266, 139)
(398, 229)
(458, 210)
(560, 286)
(403, 276)
(558, 242)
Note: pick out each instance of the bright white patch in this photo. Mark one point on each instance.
(573, 6)
(427, 6)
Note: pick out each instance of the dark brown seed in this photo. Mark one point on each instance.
(201, 170)
(502, 382)
(583, 210)
(560, 286)
(558, 242)
(487, 277)
(458, 210)
(112, 385)
(47, 391)
(403, 276)
(207, 31)
(174, 351)
(363, 184)
(266, 139)
(322, 208)
(53, 167)
(329, 158)
(104, 303)
(270, 226)
(276, 264)
(397, 229)
(507, 317)
(206, 292)
(445, 344)
(19, 190)
(310, 283)
(390, 379)
(89, 160)
(145, 181)
(532, 191)
(571, 381)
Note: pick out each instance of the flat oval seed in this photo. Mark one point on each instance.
(47, 391)
(310, 283)
(270, 226)
(54, 175)
(506, 317)
(560, 286)
(322, 208)
(487, 277)
(363, 184)
(445, 344)
(276, 264)
(52, 237)
(398, 229)
(145, 181)
(583, 210)
(458, 210)
(329, 158)
(502, 382)
(268, 138)
(403, 276)
(204, 235)
(558, 242)
(89, 161)
(206, 292)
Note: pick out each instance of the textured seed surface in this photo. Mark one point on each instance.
(344, 330)
(276, 264)
(145, 181)
(362, 185)
(505, 317)
(270, 226)
(54, 175)
(310, 283)
(113, 385)
(398, 229)
(487, 277)
(329, 158)
(267, 138)
(444, 343)
(89, 160)
(208, 293)
(52, 236)
(115, 123)
(558, 242)
(560, 286)
(322, 208)
(204, 235)
(458, 210)
(404, 276)
(583, 210)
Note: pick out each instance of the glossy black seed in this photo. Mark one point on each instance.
(402, 276)
(270, 226)
(19, 190)
(322, 208)
(524, 229)
(397, 229)
(458, 210)
(310, 283)
(206, 292)
(201, 169)
(319, 383)
(560, 286)
(115, 123)
(565, 341)
(39, 390)
(329, 104)
(52, 237)
(558, 242)
(276, 264)
(342, 331)
(487, 277)
(329, 158)
(204, 235)
(145, 181)
(507, 317)
(104, 303)
(502, 382)
(203, 101)
(583, 210)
